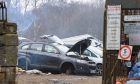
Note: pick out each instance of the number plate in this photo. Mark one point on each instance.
(92, 71)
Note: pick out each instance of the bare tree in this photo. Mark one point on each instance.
(26, 3)
(66, 19)
(35, 26)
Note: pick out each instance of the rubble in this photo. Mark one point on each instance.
(34, 71)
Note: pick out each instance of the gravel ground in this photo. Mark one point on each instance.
(57, 79)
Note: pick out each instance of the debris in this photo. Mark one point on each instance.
(19, 70)
(34, 71)
(49, 73)
(58, 81)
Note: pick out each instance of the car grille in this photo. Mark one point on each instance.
(91, 62)
(92, 67)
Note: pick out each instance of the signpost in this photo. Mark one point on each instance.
(133, 30)
(113, 27)
(125, 52)
(132, 18)
(119, 21)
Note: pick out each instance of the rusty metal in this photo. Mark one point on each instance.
(3, 12)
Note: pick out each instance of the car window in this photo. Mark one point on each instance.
(93, 55)
(25, 47)
(36, 47)
(87, 53)
(63, 49)
(51, 49)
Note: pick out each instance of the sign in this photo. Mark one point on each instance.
(125, 52)
(132, 18)
(113, 27)
(133, 30)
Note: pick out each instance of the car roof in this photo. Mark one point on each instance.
(79, 47)
(24, 43)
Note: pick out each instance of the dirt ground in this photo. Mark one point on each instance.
(57, 79)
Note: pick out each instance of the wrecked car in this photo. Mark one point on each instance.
(94, 56)
(92, 52)
(55, 57)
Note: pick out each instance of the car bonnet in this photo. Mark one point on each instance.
(80, 46)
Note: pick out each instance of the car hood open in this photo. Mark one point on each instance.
(80, 46)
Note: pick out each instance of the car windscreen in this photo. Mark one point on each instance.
(95, 51)
(62, 48)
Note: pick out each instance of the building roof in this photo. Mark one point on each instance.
(124, 3)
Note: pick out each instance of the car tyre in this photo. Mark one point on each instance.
(99, 69)
(69, 70)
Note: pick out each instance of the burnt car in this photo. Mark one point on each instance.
(55, 57)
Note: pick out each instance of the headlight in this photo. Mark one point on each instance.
(81, 61)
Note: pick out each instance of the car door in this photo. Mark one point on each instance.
(53, 57)
(36, 55)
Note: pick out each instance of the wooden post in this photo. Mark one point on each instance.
(112, 67)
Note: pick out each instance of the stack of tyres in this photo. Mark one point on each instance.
(8, 52)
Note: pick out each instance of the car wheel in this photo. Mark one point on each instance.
(69, 70)
(99, 69)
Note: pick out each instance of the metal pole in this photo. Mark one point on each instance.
(26, 61)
